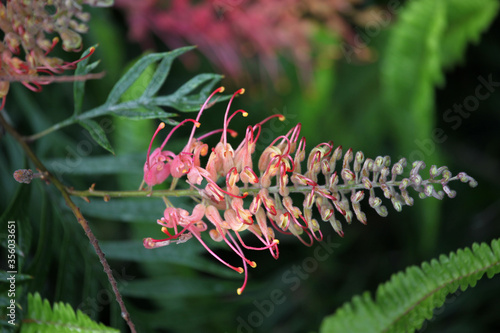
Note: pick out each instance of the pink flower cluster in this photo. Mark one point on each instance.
(233, 198)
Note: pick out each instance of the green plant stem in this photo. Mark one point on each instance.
(345, 188)
(79, 217)
(53, 128)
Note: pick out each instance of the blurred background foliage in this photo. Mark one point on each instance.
(384, 77)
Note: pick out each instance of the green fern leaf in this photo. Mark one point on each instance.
(61, 319)
(466, 20)
(411, 68)
(409, 298)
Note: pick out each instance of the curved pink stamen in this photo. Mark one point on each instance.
(160, 127)
(204, 106)
(237, 269)
(233, 133)
(226, 121)
(196, 123)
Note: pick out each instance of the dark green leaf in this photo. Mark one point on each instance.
(135, 72)
(162, 72)
(97, 134)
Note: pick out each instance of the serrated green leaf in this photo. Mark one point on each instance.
(409, 298)
(82, 68)
(97, 134)
(61, 318)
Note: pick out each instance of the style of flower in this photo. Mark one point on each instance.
(234, 199)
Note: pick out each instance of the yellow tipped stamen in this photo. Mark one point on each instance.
(253, 264)
(276, 241)
(197, 124)
(239, 291)
(242, 91)
(281, 118)
(240, 270)
(245, 114)
(161, 126)
(221, 89)
(164, 229)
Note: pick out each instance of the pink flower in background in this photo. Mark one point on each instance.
(231, 32)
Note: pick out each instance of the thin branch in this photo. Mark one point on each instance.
(46, 79)
(76, 211)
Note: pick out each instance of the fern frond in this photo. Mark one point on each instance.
(61, 319)
(409, 298)
(466, 20)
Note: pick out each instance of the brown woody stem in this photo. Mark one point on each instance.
(79, 217)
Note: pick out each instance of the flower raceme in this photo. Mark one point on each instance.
(235, 196)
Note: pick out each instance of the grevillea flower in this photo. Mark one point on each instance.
(24, 53)
(235, 197)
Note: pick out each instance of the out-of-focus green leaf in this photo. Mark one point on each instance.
(411, 68)
(189, 254)
(102, 165)
(466, 20)
(125, 210)
(178, 287)
(97, 134)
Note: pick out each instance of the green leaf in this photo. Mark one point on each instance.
(151, 112)
(61, 318)
(135, 72)
(168, 288)
(97, 134)
(101, 165)
(409, 298)
(82, 68)
(410, 70)
(466, 20)
(182, 101)
(161, 74)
